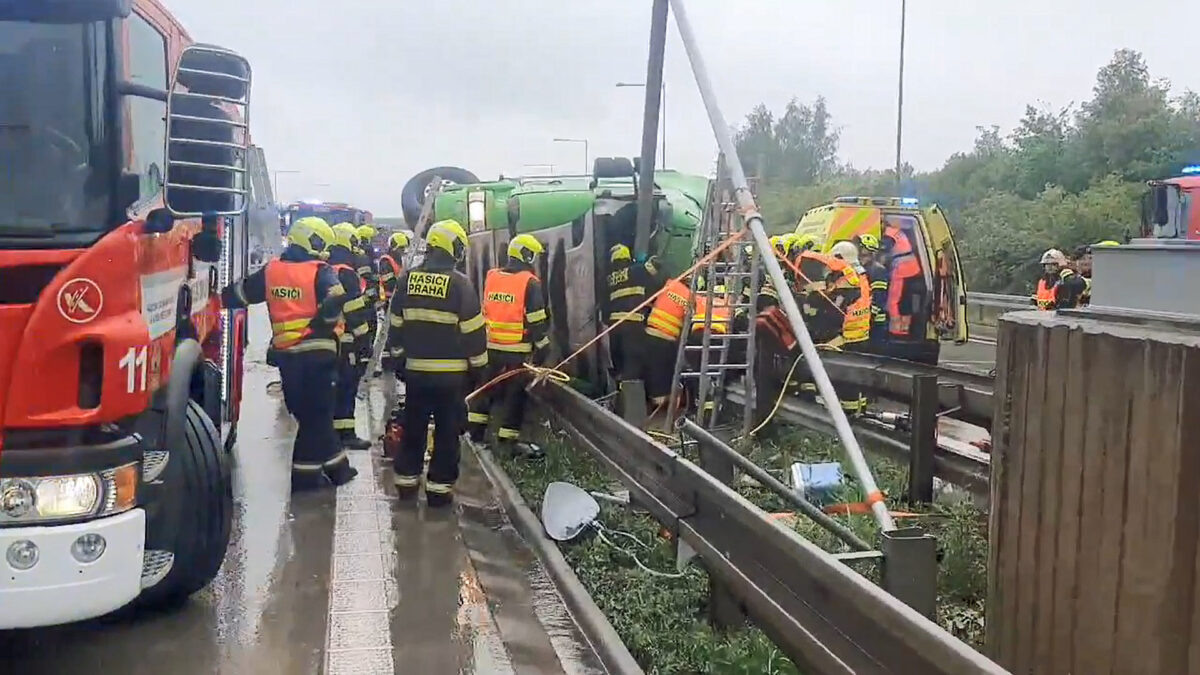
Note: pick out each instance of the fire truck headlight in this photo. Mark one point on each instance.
(68, 496)
(22, 554)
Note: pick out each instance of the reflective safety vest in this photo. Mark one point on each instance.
(1045, 296)
(721, 315)
(504, 310)
(667, 312)
(856, 323)
(904, 266)
(291, 301)
(775, 322)
(1085, 298)
(395, 268)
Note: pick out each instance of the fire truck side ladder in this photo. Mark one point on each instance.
(731, 280)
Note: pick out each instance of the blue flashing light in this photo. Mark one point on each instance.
(1187, 170)
(909, 201)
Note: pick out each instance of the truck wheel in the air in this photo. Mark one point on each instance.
(200, 490)
(412, 195)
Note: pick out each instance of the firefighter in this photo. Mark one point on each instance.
(438, 347)
(842, 318)
(1059, 287)
(355, 337)
(629, 284)
(664, 327)
(869, 256)
(389, 266)
(366, 262)
(304, 300)
(906, 284)
(514, 311)
(1081, 262)
(768, 296)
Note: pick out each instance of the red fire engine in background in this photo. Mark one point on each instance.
(120, 376)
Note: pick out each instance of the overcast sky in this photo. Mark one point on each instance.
(361, 94)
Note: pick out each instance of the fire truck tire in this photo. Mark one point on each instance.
(203, 496)
(412, 195)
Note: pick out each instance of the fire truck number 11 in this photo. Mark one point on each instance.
(134, 363)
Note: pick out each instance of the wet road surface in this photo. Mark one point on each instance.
(977, 355)
(350, 581)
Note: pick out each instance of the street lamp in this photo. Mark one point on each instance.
(585, 149)
(900, 95)
(664, 115)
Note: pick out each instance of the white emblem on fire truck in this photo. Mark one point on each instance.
(80, 300)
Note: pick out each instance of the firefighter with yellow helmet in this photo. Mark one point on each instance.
(629, 284)
(514, 311)
(438, 346)
(388, 267)
(356, 334)
(304, 301)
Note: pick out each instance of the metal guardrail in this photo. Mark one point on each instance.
(823, 615)
(999, 300)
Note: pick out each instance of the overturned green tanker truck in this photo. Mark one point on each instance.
(579, 218)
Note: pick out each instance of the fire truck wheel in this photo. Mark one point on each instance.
(203, 496)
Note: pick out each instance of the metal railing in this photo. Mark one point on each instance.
(1000, 300)
(825, 616)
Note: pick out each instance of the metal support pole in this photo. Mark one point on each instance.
(900, 96)
(910, 568)
(754, 222)
(923, 440)
(654, 73)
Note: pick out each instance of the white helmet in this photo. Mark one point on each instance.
(1053, 256)
(846, 251)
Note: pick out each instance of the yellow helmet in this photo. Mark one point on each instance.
(346, 235)
(1106, 243)
(619, 252)
(869, 242)
(800, 243)
(449, 236)
(366, 233)
(526, 248)
(311, 234)
(398, 241)
(777, 242)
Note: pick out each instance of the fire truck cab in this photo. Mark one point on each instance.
(121, 216)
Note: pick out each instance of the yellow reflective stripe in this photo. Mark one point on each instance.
(472, 324)
(346, 423)
(362, 330)
(438, 488)
(479, 360)
(518, 348)
(541, 343)
(478, 418)
(396, 352)
(356, 304)
(312, 346)
(508, 433)
(879, 284)
(509, 325)
(659, 334)
(534, 317)
(406, 481)
(387, 276)
(290, 325)
(336, 290)
(436, 365)
(396, 320)
(627, 292)
(430, 315)
(626, 316)
(346, 338)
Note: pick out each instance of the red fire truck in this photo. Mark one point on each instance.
(121, 216)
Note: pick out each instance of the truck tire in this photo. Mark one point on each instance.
(202, 493)
(412, 196)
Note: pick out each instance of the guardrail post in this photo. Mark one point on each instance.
(910, 568)
(631, 398)
(923, 438)
(724, 610)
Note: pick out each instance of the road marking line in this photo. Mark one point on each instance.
(362, 580)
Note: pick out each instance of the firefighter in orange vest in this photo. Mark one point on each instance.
(304, 300)
(1059, 287)
(356, 336)
(514, 310)
(664, 328)
(906, 284)
(438, 346)
(390, 265)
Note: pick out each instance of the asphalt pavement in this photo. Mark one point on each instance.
(977, 355)
(345, 581)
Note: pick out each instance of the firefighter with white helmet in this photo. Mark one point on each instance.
(514, 311)
(305, 301)
(1059, 287)
(438, 347)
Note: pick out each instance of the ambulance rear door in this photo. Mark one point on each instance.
(949, 296)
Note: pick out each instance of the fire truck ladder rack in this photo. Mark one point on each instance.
(729, 283)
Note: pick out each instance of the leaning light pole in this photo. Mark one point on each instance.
(584, 141)
(754, 223)
(900, 96)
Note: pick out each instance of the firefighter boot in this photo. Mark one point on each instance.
(351, 441)
(338, 470)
